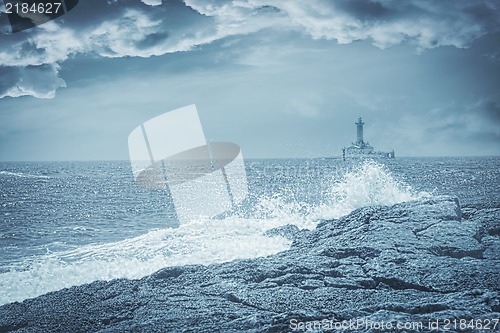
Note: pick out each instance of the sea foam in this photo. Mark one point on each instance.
(369, 184)
(204, 241)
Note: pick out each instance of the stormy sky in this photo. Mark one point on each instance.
(281, 78)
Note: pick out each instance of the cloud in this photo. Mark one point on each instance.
(145, 28)
(427, 24)
(152, 2)
(455, 129)
(489, 107)
(38, 81)
(306, 105)
(126, 32)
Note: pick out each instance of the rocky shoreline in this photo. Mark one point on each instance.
(414, 262)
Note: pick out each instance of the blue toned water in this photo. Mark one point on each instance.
(69, 223)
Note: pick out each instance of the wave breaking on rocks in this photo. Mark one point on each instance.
(419, 261)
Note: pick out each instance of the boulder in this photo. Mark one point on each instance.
(420, 262)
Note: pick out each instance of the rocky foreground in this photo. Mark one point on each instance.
(425, 265)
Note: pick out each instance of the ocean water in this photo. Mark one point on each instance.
(70, 223)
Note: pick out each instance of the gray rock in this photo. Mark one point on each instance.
(414, 262)
(288, 231)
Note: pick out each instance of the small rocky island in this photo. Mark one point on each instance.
(428, 261)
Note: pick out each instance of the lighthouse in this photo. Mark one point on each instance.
(359, 127)
(360, 148)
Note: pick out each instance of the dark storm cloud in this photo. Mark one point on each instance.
(151, 40)
(6, 75)
(366, 10)
(476, 122)
(147, 28)
(39, 81)
(111, 30)
(491, 109)
(484, 12)
(427, 24)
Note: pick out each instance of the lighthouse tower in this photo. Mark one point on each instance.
(359, 128)
(360, 148)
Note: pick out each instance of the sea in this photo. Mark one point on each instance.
(69, 223)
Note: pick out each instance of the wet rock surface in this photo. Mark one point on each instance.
(417, 262)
